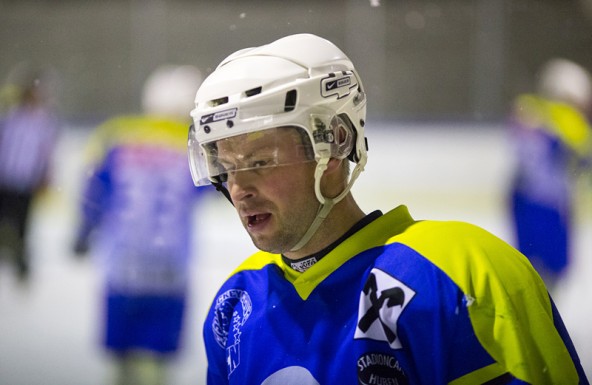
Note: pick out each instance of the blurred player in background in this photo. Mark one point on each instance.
(28, 135)
(137, 218)
(551, 136)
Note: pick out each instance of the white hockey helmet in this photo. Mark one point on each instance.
(566, 81)
(170, 89)
(301, 81)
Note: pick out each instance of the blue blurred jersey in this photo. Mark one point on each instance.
(552, 142)
(398, 302)
(140, 201)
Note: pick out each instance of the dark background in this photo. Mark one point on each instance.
(420, 60)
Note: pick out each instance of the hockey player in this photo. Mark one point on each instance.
(337, 296)
(137, 221)
(552, 140)
(28, 137)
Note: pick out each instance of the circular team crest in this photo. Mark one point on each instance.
(231, 311)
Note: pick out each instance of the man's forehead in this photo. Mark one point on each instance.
(273, 136)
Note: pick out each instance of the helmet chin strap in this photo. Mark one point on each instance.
(326, 204)
(321, 215)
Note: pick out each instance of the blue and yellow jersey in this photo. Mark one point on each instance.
(553, 142)
(398, 302)
(138, 204)
(559, 120)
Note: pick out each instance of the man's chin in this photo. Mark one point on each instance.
(266, 245)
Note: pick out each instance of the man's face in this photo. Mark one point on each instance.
(273, 189)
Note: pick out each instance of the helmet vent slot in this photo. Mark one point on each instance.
(253, 91)
(290, 102)
(219, 101)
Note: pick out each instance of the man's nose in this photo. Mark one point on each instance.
(241, 185)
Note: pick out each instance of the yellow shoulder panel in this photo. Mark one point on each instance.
(508, 303)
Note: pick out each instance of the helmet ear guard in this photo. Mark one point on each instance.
(344, 138)
(334, 139)
(351, 147)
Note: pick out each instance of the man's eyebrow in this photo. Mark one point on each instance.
(253, 152)
(230, 156)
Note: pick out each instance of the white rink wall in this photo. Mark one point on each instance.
(49, 328)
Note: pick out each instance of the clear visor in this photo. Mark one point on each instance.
(260, 150)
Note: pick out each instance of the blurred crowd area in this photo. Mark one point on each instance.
(420, 59)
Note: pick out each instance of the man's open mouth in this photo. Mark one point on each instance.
(254, 220)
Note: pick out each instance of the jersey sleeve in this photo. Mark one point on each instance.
(508, 305)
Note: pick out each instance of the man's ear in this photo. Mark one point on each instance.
(332, 182)
(333, 165)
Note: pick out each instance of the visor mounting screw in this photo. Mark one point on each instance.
(207, 129)
(229, 123)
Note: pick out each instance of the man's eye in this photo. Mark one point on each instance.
(259, 163)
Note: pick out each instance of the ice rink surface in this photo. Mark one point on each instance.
(50, 327)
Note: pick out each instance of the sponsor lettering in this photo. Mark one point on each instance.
(377, 359)
(225, 115)
(339, 84)
(302, 266)
(217, 116)
(380, 369)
